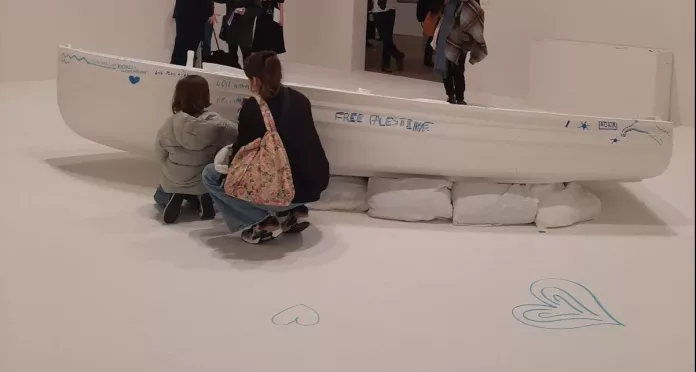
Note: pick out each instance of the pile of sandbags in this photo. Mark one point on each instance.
(465, 203)
(348, 194)
(548, 205)
(409, 199)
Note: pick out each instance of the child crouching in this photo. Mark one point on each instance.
(186, 143)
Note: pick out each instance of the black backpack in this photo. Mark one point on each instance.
(422, 9)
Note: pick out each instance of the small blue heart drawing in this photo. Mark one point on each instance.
(564, 305)
(301, 314)
(134, 79)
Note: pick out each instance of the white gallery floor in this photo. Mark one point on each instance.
(90, 280)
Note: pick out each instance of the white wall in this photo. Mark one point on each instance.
(330, 32)
(31, 30)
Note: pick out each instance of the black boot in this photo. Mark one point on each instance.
(451, 100)
(173, 208)
(207, 208)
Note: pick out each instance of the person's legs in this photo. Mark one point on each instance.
(161, 197)
(428, 53)
(233, 56)
(246, 52)
(381, 24)
(392, 49)
(207, 40)
(238, 214)
(458, 79)
(448, 81)
(180, 44)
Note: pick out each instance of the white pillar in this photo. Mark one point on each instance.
(326, 33)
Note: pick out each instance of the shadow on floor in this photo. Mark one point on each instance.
(119, 170)
(232, 248)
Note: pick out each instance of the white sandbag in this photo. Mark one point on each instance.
(565, 206)
(493, 204)
(409, 199)
(343, 194)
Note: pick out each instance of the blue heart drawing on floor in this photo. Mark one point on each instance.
(134, 79)
(564, 305)
(299, 314)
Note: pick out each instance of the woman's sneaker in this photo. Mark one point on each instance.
(173, 209)
(293, 221)
(267, 230)
(207, 208)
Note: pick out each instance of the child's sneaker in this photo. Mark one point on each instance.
(173, 209)
(207, 208)
(267, 230)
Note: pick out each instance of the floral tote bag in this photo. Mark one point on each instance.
(260, 171)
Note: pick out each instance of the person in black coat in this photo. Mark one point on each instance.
(190, 17)
(292, 113)
(269, 33)
(239, 28)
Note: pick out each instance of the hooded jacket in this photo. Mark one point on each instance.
(186, 144)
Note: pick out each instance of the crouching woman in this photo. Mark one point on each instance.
(287, 112)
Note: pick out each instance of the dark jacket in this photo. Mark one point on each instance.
(308, 163)
(269, 33)
(193, 11)
(240, 31)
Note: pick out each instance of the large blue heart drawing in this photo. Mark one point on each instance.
(134, 79)
(299, 314)
(564, 305)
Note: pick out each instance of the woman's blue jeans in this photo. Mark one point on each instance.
(238, 214)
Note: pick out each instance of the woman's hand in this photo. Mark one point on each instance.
(213, 19)
(240, 11)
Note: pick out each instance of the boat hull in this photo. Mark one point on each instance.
(121, 103)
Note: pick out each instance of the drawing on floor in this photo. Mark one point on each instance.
(584, 126)
(301, 314)
(564, 304)
(134, 79)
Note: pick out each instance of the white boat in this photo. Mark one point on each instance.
(122, 102)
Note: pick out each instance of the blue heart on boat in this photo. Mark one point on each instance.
(299, 314)
(564, 305)
(134, 79)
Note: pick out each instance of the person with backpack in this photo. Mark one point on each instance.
(262, 183)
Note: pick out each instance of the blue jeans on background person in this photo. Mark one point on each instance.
(238, 214)
(205, 47)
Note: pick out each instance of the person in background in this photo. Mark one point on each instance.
(370, 33)
(206, 47)
(186, 143)
(428, 13)
(241, 20)
(292, 114)
(384, 13)
(269, 30)
(190, 17)
(461, 33)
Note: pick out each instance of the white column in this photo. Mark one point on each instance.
(326, 33)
